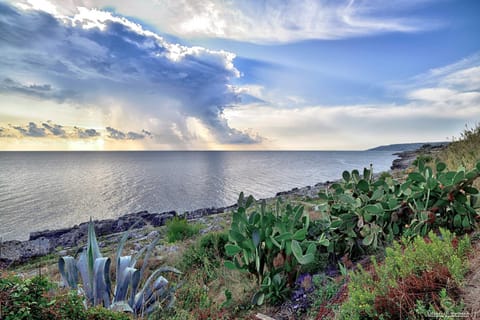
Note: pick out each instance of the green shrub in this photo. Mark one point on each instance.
(39, 298)
(179, 229)
(271, 245)
(360, 212)
(100, 313)
(206, 254)
(409, 269)
(24, 299)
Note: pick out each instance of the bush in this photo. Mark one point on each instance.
(271, 244)
(417, 271)
(179, 229)
(206, 254)
(39, 298)
(100, 313)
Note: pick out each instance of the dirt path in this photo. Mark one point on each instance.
(471, 291)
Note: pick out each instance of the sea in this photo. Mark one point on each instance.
(51, 190)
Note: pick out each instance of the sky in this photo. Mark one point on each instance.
(236, 74)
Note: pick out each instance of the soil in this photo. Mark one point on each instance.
(471, 291)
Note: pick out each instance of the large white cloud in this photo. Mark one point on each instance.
(437, 106)
(93, 58)
(269, 21)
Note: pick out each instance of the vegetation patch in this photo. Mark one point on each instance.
(416, 276)
(180, 229)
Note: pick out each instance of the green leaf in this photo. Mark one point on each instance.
(284, 236)
(478, 166)
(275, 242)
(346, 198)
(377, 194)
(417, 177)
(236, 236)
(395, 228)
(229, 265)
(323, 241)
(432, 183)
(231, 249)
(465, 222)
(368, 239)
(471, 174)
(297, 252)
(441, 166)
(374, 209)
(346, 176)
(249, 201)
(363, 185)
(459, 177)
(312, 248)
(471, 190)
(457, 221)
(258, 298)
(300, 234)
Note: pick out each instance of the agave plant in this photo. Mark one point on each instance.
(129, 295)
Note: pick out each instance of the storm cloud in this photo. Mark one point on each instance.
(97, 58)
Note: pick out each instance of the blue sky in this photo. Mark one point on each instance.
(236, 75)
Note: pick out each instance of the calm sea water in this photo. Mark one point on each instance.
(49, 190)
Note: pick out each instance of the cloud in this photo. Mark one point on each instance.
(55, 129)
(42, 91)
(31, 130)
(119, 135)
(95, 59)
(85, 133)
(51, 130)
(437, 106)
(273, 21)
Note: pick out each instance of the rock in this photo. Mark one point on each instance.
(17, 251)
(152, 235)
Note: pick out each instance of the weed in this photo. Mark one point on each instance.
(179, 229)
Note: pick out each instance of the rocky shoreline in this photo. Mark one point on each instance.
(45, 242)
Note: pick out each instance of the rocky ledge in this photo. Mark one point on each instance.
(406, 158)
(45, 242)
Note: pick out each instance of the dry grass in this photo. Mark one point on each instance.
(464, 151)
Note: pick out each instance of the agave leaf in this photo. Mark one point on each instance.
(150, 248)
(158, 288)
(123, 277)
(82, 266)
(140, 296)
(102, 284)
(134, 282)
(68, 271)
(137, 256)
(93, 252)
